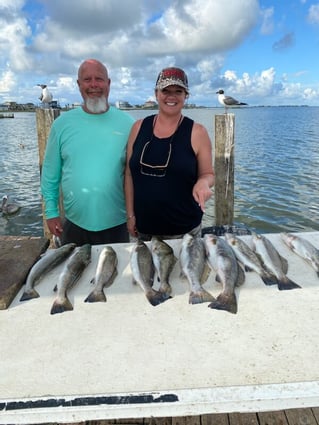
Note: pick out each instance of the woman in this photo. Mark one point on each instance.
(169, 169)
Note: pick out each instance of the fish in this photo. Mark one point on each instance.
(164, 261)
(249, 259)
(74, 267)
(106, 272)
(195, 268)
(46, 263)
(273, 261)
(303, 248)
(222, 259)
(143, 272)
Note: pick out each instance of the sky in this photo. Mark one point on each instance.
(260, 52)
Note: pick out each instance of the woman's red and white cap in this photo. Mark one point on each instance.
(172, 77)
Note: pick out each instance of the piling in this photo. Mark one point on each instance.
(44, 120)
(224, 169)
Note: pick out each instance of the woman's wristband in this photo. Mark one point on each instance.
(130, 216)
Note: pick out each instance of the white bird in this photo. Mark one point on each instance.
(9, 208)
(45, 97)
(228, 101)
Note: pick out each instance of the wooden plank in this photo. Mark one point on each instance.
(272, 418)
(243, 419)
(186, 420)
(158, 421)
(17, 255)
(215, 419)
(315, 411)
(224, 169)
(300, 417)
(44, 120)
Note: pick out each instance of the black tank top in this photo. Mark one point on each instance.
(163, 203)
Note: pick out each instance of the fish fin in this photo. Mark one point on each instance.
(92, 281)
(284, 264)
(205, 274)
(269, 279)
(200, 296)
(225, 302)
(240, 276)
(155, 297)
(287, 284)
(318, 273)
(95, 296)
(60, 307)
(248, 269)
(29, 295)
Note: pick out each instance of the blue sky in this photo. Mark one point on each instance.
(261, 52)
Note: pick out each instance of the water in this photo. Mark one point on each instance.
(276, 163)
(19, 174)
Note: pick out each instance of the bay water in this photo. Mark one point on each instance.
(276, 169)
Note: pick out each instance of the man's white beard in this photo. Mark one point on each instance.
(96, 105)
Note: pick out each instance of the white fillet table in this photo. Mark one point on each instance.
(127, 359)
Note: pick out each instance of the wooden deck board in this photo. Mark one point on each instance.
(301, 417)
(272, 418)
(308, 416)
(243, 419)
(12, 272)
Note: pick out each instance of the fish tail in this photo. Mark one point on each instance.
(61, 306)
(225, 302)
(95, 296)
(284, 284)
(29, 295)
(269, 279)
(156, 297)
(200, 296)
(165, 288)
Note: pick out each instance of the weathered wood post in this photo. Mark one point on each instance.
(224, 169)
(44, 120)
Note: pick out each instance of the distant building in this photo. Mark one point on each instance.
(150, 104)
(123, 104)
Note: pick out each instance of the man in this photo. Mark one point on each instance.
(85, 159)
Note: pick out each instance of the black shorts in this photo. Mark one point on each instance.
(75, 234)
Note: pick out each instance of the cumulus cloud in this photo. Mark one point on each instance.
(267, 26)
(313, 15)
(47, 40)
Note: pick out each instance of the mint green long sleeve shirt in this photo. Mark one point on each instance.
(85, 156)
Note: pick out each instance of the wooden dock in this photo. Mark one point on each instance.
(308, 416)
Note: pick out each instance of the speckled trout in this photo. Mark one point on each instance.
(249, 259)
(222, 259)
(273, 261)
(195, 268)
(143, 272)
(46, 263)
(303, 248)
(164, 261)
(106, 272)
(71, 273)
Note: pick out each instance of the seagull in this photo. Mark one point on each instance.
(228, 101)
(46, 97)
(9, 208)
